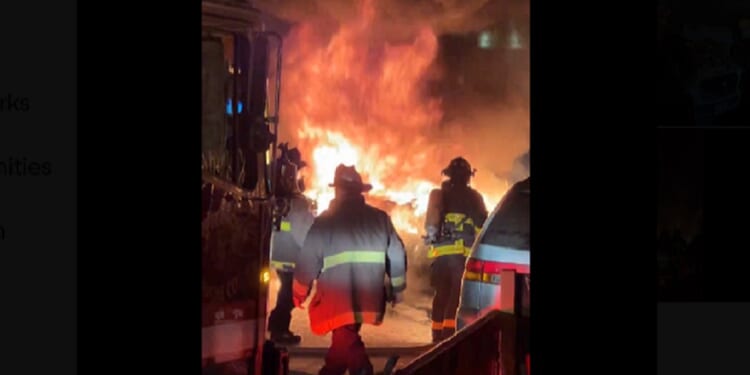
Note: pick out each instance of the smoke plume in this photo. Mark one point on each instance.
(489, 128)
(397, 18)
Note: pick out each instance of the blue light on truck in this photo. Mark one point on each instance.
(229, 107)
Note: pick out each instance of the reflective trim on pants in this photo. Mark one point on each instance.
(448, 249)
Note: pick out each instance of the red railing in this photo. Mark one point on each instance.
(485, 347)
(488, 346)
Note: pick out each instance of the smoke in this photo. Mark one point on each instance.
(485, 96)
(397, 18)
(521, 168)
(401, 19)
(496, 143)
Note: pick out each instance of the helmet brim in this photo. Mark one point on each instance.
(362, 187)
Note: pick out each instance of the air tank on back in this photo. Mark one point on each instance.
(434, 209)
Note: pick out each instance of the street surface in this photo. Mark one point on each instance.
(406, 325)
(311, 366)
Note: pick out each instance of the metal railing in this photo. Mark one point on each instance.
(488, 346)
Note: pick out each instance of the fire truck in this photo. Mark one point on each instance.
(241, 77)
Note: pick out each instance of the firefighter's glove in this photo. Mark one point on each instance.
(396, 299)
(431, 231)
(431, 235)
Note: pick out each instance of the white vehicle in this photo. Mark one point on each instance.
(503, 244)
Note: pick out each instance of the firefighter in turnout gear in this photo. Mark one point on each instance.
(359, 262)
(293, 219)
(455, 214)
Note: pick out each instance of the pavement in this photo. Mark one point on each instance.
(311, 366)
(405, 325)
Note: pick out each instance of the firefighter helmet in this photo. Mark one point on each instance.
(296, 157)
(348, 178)
(459, 168)
(288, 177)
(293, 155)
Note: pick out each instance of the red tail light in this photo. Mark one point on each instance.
(474, 265)
(488, 271)
(494, 267)
(482, 271)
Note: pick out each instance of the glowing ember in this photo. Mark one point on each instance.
(355, 99)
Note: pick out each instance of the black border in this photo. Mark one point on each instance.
(727, 204)
(593, 207)
(139, 187)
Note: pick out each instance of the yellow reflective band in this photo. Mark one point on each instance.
(281, 265)
(445, 250)
(450, 249)
(458, 220)
(286, 226)
(397, 281)
(455, 219)
(376, 257)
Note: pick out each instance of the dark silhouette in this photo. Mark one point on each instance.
(680, 276)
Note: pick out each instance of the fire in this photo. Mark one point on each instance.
(355, 99)
(409, 198)
(333, 149)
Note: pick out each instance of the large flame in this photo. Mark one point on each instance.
(355, 99)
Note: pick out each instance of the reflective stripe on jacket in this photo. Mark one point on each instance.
(463, 215)
(287, 241)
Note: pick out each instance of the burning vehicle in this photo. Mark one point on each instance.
(360, 96)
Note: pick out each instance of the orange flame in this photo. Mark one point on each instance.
(355, 99)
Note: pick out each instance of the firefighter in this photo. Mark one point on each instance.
(359, 262)
(296, 157)
(454, 215)
(293, 219)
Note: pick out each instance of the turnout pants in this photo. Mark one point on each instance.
(281, 316)
(447, 273)
(347, 352)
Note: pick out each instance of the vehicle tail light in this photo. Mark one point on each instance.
(491, 272)
(488, 271)
(473, 270)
